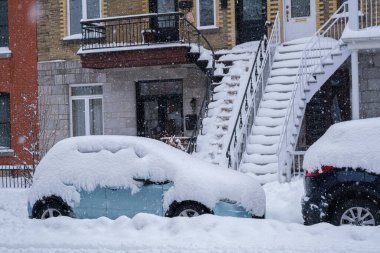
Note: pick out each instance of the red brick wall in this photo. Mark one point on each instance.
(18, 76)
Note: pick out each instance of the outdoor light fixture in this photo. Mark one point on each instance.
(193, 104)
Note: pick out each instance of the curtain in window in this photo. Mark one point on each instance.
(93, 9)
(96, 116)
(79, 117)
(206, 13)
(5, 118)
(75, 16)
(3, 23)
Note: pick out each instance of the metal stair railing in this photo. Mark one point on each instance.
(252, 96)
(189, 32)
(319, 50)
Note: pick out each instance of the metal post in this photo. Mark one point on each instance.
(355, 101)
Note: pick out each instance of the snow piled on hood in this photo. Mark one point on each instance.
(354, 144)
(83, 163)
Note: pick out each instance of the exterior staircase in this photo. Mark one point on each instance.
(231, 69)
(261, 158)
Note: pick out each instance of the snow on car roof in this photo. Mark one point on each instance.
(83, 163)
(354, 144)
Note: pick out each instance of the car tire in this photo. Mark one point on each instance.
(49, 208)
(187, 209)
(358, 212)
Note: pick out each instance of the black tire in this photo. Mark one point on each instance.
(49, 208)
(187, 209)
(359, 212)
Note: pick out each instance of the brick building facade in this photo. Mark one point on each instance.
(18, 82)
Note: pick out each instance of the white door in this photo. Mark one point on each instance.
(299, 19)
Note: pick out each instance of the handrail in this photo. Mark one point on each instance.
(244, 100)
(320, 46)
(244, 122)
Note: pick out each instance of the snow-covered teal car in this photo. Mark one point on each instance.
(111, 176)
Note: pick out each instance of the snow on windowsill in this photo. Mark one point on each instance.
(73, 37)
(5, 151)
(210, 27)
(5, 52)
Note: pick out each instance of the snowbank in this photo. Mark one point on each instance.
(353, 144)
(149, 233)
(82, 163)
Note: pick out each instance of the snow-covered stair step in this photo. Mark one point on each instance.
(300, 47)
(263, 139)
(267, 121)
(297, 55)
(274, 104)
(277, 96)
(259, 169)
(279, 88)
(261, 149)
(294, 71)
(260, 159)
(264, 130)
(282, 80)
(235, 57)
(273, 113)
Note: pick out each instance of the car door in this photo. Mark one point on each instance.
(122, 202)
(92, 204)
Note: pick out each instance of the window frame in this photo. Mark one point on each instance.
(9, 122)
(86, 99)
(84, 14)
(199, 20)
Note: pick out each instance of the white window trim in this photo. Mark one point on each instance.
(86, 99)
(199, 21)
(84, 16)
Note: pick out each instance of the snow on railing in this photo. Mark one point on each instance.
(250, 101)
(318, 51)
(369, 13)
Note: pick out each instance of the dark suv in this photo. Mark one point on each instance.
(341, 196)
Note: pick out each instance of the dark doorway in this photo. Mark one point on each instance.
(159, 109)
(250, 20)
(330, 105)
(166, 26)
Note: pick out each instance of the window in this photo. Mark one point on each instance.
(3, 23)
(206, 13)
(78, 9)
(5, 121)
(300, 8)
(86, 104)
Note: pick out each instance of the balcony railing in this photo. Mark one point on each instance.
(134, 30)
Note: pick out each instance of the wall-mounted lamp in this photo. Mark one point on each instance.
(193, 104)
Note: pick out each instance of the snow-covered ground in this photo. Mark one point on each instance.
(282, 231)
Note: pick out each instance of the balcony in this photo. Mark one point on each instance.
(136, 40)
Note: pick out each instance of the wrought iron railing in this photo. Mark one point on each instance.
(254, 91)
(16, 176)
(194, 35)
(318, 50)
(132, 30)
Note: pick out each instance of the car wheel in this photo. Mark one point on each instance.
(188, 209)
(51, 208)
(358, 212)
